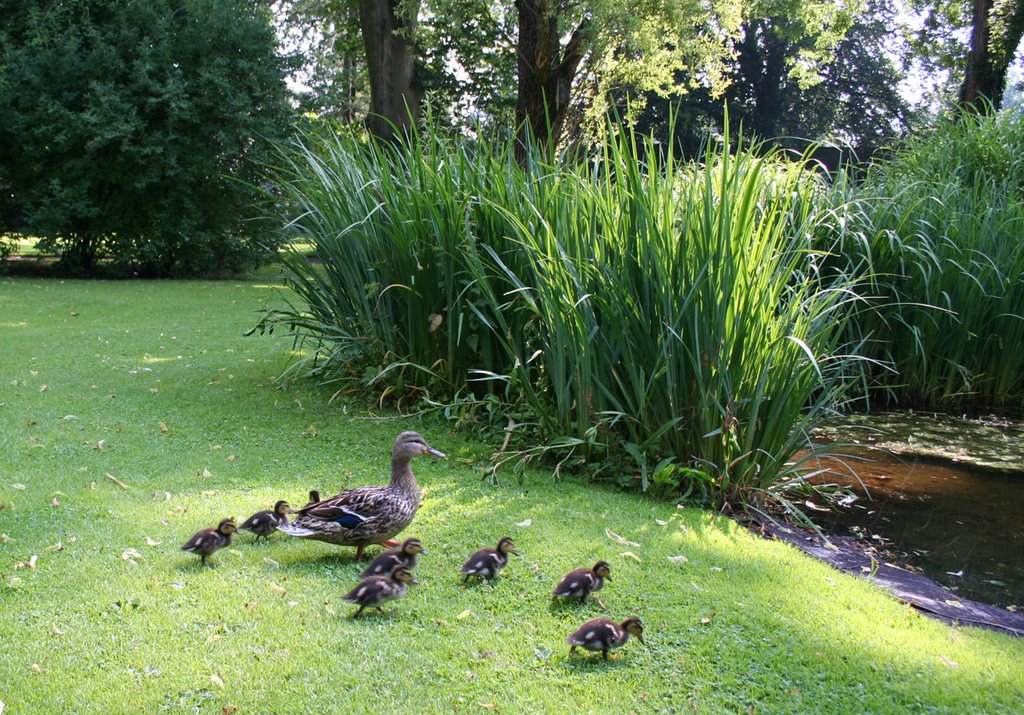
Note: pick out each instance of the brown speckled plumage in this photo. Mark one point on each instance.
(367, 515)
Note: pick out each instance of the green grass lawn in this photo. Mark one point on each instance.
(154, 384)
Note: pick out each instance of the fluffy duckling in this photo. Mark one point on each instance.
(406, 555)
(314, 498)
(604, 635)
(486, 562)
(375, 591)
(265, 523)
(206, 541)
(580, 583)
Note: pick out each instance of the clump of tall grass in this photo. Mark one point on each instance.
(937, 228)
(625, 305)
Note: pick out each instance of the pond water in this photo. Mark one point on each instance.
(941, 495)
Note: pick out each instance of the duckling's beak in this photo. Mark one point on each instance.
(436, 453)
(424, 551)
(414, 582)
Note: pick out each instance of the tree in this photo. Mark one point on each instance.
(131, 129)
(996, 31)
(332, 58)
(978, 69)
(388, 28)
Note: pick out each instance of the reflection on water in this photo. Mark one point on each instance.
(960, 526)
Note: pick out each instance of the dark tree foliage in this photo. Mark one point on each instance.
(857, 103)
(130, 129)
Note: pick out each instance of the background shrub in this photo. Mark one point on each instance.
(130, 129)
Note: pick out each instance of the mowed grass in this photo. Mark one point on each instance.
(154, 384)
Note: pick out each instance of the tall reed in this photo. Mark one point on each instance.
(937, 227)
(626, 305)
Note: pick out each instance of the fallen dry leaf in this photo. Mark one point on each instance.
(44, 388)
(56, 630)
(618, 539)
(708, 617)
(100, 445)
(525, 523)
(215, 679)
(209, 493)
(949, 663)
(251, 606)
(162, 425)
(212, 639)
(271, 561)
(630, 555)
(129, 554)
(35, 667)
(56, 547)
(151, 542)
(678, 559)
(464, 615)
(278, 589)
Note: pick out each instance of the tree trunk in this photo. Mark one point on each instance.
(545, 72)
(390, 59)
(991, 52)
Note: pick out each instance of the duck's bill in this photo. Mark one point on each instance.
(436, 452)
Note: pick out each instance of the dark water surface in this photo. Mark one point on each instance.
(958, 523)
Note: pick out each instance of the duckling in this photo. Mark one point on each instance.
(314, 498)
(206, 541)
(265, 523)
(406, 555)
(580, 583)
(372, 514)
(375, 591)
(601, 634)
(486, 562)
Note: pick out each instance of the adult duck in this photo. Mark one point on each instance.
(367, 515)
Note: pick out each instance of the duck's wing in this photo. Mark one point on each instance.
(350, 509)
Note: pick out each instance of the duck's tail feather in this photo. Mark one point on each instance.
(296, 530)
